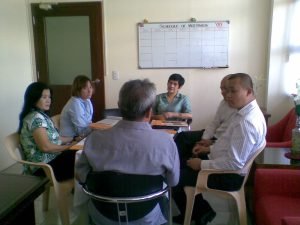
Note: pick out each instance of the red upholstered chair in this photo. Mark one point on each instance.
(280, 133)
(290, 220)
(277, 196)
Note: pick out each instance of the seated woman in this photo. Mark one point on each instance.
(39, 138)
(172, 105)
(77, 114)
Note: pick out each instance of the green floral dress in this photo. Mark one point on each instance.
(32, 121)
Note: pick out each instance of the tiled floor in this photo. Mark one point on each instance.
(79, 217)
(51, 216)
(226, 211)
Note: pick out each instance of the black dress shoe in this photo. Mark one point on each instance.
(206, 217)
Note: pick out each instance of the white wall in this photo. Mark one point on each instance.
(248, 47)
(280, 80)
(15, 67)
(248, 51)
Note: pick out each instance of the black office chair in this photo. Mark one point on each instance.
(127, 197)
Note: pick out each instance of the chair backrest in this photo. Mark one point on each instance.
(290, 125)
(249, 164)
(115, 194)
(56, 121)
(12, 144)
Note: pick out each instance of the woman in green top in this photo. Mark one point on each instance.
(38, 136)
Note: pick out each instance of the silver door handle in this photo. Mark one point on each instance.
(97, 81)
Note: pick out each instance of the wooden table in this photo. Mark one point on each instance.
(17, 195)
(109, 123)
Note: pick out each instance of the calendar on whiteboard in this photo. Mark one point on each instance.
(183, 45)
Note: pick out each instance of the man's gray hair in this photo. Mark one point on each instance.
(136, 97)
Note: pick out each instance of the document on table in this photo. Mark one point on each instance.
(165, 124)
(109, 121)
(105, 123)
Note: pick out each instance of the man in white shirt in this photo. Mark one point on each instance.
(188, 140)
(231, 151)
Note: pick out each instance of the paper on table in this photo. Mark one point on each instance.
(109, 121)
(104, 124)
(176, 123)
(169, 123)
(114, 117)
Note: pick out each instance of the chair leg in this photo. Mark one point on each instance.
(170, 207)
(239, 198)
(190, 197)
(62, 192)
(64, 211)
(46, 195)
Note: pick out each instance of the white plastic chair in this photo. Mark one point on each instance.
(56, 121)
(238, 195)
(61, 189)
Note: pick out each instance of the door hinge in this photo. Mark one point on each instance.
(38, 75)
(33, 20)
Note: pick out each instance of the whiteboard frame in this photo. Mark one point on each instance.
(199, 23)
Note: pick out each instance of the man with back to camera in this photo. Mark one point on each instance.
(231, 151)
(131, 146)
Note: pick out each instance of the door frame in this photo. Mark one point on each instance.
(94, 11)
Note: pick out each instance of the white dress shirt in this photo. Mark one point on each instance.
(221, 121)
(244, 135)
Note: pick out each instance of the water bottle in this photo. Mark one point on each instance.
(295, 151)
(298, 87)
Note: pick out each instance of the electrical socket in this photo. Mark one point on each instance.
(115, 75)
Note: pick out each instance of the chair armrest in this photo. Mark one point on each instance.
(290, 220)
(284, 182)
(275, 132)
(204, 174)
(47, 168)
(283, 144)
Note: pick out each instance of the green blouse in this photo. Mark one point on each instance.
(32, 121)
(181, 104)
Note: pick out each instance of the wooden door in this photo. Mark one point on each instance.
(68, 41)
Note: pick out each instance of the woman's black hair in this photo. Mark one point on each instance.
(32, 95)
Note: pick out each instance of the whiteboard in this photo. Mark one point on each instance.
(183, 45)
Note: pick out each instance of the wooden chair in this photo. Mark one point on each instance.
(61, 189)
(238, 195)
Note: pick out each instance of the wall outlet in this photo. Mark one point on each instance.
(115, 75)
